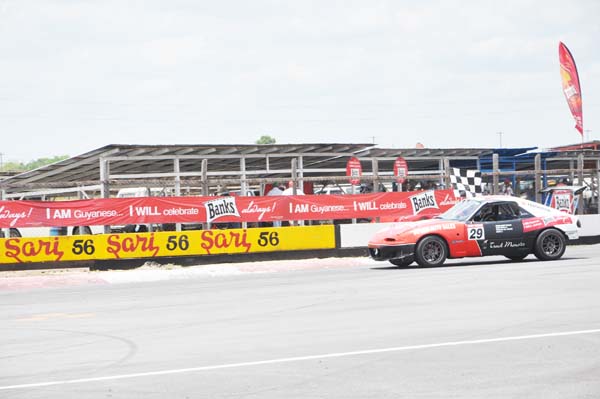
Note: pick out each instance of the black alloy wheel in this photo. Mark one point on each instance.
(550, 245)
(431, 251)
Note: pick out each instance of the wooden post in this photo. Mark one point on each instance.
(495, 173)
(205, 177)
(177, 170)
(205, 187)
(5, 231)
(104, 184)
(294, 182)
(537, 162)
(243, 184)
(446, 173)
(596, 192)
(375, 167)
(580, 163)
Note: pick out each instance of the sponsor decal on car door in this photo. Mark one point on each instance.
(503, 238)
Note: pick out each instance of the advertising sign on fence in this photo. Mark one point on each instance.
(149, 210)
(400, 170)
(354, 170)
(165, 244)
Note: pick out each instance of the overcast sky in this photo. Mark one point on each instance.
(76, 75)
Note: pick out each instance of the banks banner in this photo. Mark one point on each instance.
(150, 245)
(150, 210)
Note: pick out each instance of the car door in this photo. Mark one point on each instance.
(498, 229)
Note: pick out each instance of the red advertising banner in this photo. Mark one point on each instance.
(146, 210)
(570, 85)
(400, 170)
(354, 170)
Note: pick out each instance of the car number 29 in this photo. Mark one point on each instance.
(476, 232)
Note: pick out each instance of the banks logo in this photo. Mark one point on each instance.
(563, 202)
(220, 207)
(422, 201)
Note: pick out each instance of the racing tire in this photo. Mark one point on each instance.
(406, 261)
(82, 230)
(550, 245)
(431, 251)
(516, 258)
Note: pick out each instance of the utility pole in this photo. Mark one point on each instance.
(500, 137)
(587, 131)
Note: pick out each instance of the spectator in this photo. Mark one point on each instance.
(276, 190)
(290, 190)
(507, 189)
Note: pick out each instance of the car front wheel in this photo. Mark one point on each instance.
(550, 245)
(431, 251)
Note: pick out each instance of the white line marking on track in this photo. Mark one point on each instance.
(299, 359)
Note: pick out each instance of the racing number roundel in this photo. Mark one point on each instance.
(476, 232)
(354, 170)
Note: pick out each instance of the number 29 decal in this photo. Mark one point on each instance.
(476, 232)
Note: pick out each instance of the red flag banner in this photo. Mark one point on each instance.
(147, 210)
(570, 85)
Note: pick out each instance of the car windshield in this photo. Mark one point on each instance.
(461, 211)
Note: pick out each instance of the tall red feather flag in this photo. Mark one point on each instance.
(570, 85)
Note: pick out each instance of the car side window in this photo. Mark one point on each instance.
(507, 211)
(487, 213)
(524, 214)
(497, 212)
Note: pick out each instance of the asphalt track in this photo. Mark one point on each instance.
(344, 328)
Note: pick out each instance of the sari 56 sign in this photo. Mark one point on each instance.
(168, 244)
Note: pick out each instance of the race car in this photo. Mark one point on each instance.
(479, 226)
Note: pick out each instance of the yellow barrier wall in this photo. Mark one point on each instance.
(149, 245)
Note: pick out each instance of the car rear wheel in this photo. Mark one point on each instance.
(550, 245)
(431, 251)
(516, 258)
(406, 261)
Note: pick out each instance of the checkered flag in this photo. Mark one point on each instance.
(466, 183)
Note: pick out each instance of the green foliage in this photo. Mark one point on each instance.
(34, 164)
(265, 139)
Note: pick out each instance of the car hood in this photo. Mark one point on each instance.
(407, 229)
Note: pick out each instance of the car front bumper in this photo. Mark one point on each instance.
(387, 252)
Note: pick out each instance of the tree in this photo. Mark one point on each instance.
(34, 164)
(265, 139)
